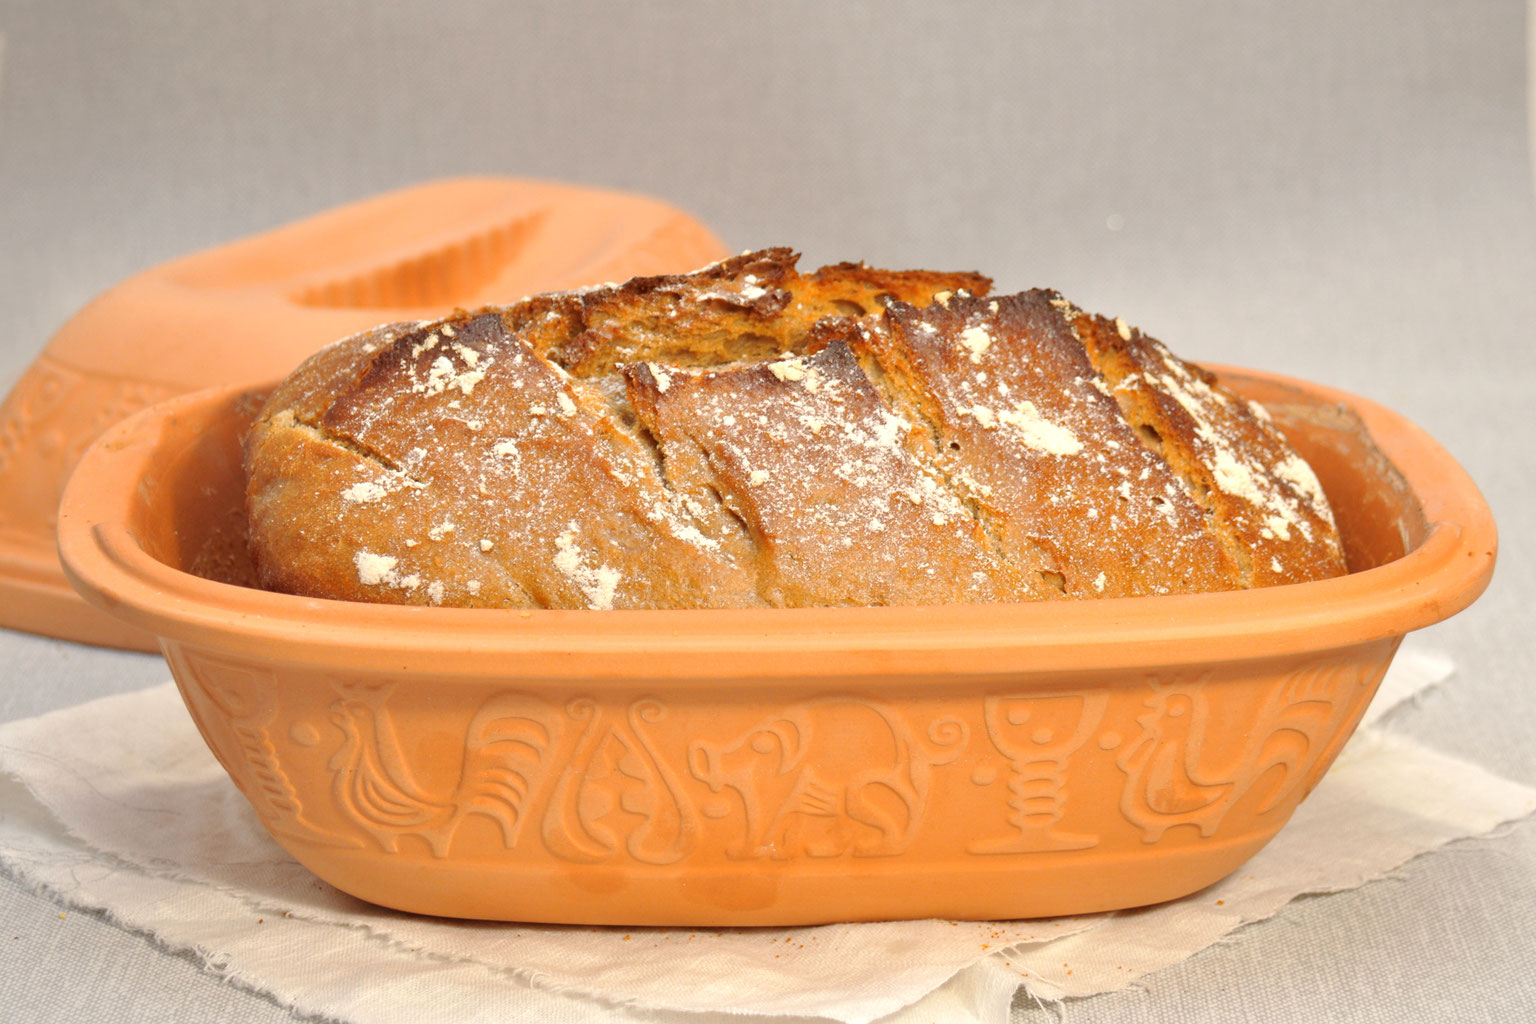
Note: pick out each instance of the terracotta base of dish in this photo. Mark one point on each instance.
(252, 310)
(782, 894)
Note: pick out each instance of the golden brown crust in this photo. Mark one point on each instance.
(1265, 505)
(747, 435)
(399, 491)
(838, 507)
(1024, 430)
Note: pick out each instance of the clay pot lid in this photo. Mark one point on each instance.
(252, 310)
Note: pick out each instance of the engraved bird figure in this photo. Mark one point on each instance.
(505, 753)
(1175, 774)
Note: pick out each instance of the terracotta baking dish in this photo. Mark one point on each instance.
(772, 767)
(252, 310)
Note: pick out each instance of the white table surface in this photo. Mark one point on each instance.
(1341, 192)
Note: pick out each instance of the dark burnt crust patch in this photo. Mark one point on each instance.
(749, 307)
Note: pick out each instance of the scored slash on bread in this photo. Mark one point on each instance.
(819, 470)
(750, 436)
(1025, 428)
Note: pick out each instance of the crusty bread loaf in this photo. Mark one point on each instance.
(749, 436)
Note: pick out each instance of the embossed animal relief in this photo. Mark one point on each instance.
(506, 754)
(827, 778)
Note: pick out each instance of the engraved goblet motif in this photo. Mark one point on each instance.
(1038, 734)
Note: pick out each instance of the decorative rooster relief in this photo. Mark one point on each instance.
(506, 752)
(1176, 776)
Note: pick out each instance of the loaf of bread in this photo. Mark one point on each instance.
(746, 435)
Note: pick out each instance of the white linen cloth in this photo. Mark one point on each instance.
(117, 805)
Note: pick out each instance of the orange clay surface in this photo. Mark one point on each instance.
(253, 310)
(778, 766)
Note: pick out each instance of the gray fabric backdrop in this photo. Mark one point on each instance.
(1341, 191)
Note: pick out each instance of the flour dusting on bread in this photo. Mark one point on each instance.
(748, 435)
